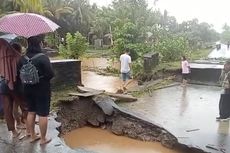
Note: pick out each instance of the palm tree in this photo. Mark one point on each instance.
(55, 8)
(58, 10)
(6, 6)
(35, 6)
(82, 17)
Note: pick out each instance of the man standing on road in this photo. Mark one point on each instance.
(224, 105)
(125, 61)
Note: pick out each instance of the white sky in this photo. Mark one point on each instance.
(216, 12)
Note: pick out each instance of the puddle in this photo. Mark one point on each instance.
(102, 141)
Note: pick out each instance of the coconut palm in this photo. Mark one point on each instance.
(35, 6)
(55, 8)
(82, 17)
(6, 6)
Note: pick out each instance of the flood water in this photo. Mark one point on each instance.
(100, 63)
(95, 62)
(100, 82)
(102, 141)
(177, 109)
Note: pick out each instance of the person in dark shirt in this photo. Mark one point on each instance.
(224, 105)
(38, 95)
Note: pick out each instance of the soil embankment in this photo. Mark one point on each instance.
(102, 112)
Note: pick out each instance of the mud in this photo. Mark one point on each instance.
(82, 112)
(102, 141)
(10, 145)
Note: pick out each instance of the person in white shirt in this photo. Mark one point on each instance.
(125, 61)
(185, 70)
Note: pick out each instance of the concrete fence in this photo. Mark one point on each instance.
(67, 72)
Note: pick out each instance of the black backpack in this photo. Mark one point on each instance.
(28, 72)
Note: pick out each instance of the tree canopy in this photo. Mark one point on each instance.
(131, 23)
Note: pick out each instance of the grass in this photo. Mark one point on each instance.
(148, 90)
(59, 57)
(97, 53)
(168, 66)
(200, 54)
(60, 94)
(195, 55)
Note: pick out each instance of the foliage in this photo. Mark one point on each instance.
(35, 6)
(52, 40)
(200, 54)
(75, 46)
(198, 34)
(131, 24)
(171, 49)
(128, 38)
(225, 35)
(137, 67)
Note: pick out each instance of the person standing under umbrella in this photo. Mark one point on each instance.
(38, 95)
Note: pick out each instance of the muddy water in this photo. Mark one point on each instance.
(93, 80)
(101, 63)
(108, 83)
(102, 141)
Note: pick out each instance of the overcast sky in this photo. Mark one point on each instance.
(216, 12)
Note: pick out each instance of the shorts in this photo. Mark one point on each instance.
(125, 76)
(185, 76)
(38, 101)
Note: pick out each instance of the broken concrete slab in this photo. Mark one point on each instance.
(122, 97)
(104, 102)
(87, 94)
(86, 89)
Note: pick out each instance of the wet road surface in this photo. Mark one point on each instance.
(187, 112)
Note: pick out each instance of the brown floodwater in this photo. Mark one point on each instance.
(100, 63)
(102, 141)
(100, 82)
(95, 62)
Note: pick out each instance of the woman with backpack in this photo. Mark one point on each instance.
(35, 73)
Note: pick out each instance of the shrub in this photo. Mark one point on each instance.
(171, 48)
(52, 40)
(129, 37)
(74, 47)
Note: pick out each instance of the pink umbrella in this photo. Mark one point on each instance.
(26, 24)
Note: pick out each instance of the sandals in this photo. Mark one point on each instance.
(46, 142)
